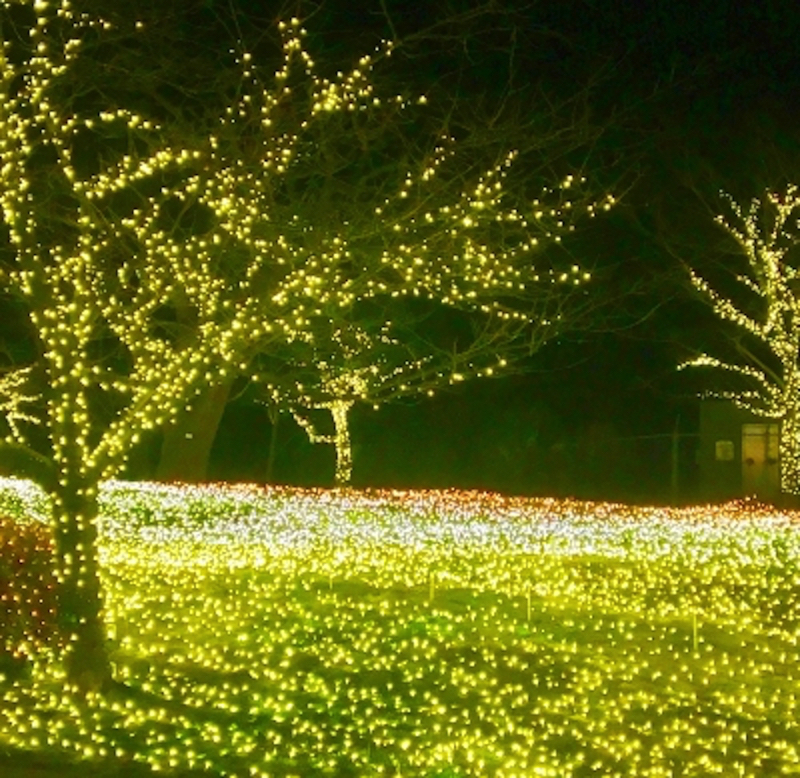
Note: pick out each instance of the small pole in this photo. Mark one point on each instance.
(675, 470)
(529, 603)
(694, 631)
(431, 586)
(274, 418)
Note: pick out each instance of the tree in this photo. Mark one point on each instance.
(376, 197)
(156, 255)
(460, 239)
(377, 350)
(139, 291)
(375, 361)
(763, 307)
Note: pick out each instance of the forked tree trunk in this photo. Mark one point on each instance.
(80, 605)
(339, 410)
(186, 446)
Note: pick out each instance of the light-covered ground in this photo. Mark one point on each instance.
(274, 632)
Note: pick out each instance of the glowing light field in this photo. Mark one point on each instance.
(288, 632)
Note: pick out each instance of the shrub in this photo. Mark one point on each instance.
(27, 591)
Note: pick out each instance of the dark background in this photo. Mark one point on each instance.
(699, 97)
(695, 97)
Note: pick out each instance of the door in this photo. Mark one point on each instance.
(760, 471)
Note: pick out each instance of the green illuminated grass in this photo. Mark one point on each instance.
(297, 633)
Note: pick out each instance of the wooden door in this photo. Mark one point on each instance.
(760, 467)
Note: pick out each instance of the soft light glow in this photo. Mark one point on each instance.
(310, 632)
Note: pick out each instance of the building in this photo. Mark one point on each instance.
(738, 454)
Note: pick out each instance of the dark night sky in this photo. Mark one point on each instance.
(697, 96)
(705, 96)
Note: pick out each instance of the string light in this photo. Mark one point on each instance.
(765, 232)
(296, 631)
(13, 398)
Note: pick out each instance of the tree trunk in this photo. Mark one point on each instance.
(274, 419)
(186, 447)
(789, 452)
(80, 604)
(344, 452)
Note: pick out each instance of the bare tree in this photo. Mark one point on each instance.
(378, 350)
(461, 237)
(438, 196)
(762, 309)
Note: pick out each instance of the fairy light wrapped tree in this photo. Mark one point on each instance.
(389, 355)
(764, 311)
(456, 201)
(343, 364)
(477, 245)
(118, 262)
(458, 226)
(158, 262)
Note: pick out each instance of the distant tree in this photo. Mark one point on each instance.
(762, 310)
(375, 362)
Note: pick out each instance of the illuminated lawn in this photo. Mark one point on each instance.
(292, 632)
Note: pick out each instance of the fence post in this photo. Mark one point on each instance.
(675, 468)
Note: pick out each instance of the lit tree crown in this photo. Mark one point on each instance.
(766, 317)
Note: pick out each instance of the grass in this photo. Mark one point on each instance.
(334, 633)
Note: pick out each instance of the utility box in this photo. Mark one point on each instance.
(738, 455)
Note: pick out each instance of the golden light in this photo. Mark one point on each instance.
(313, 632)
